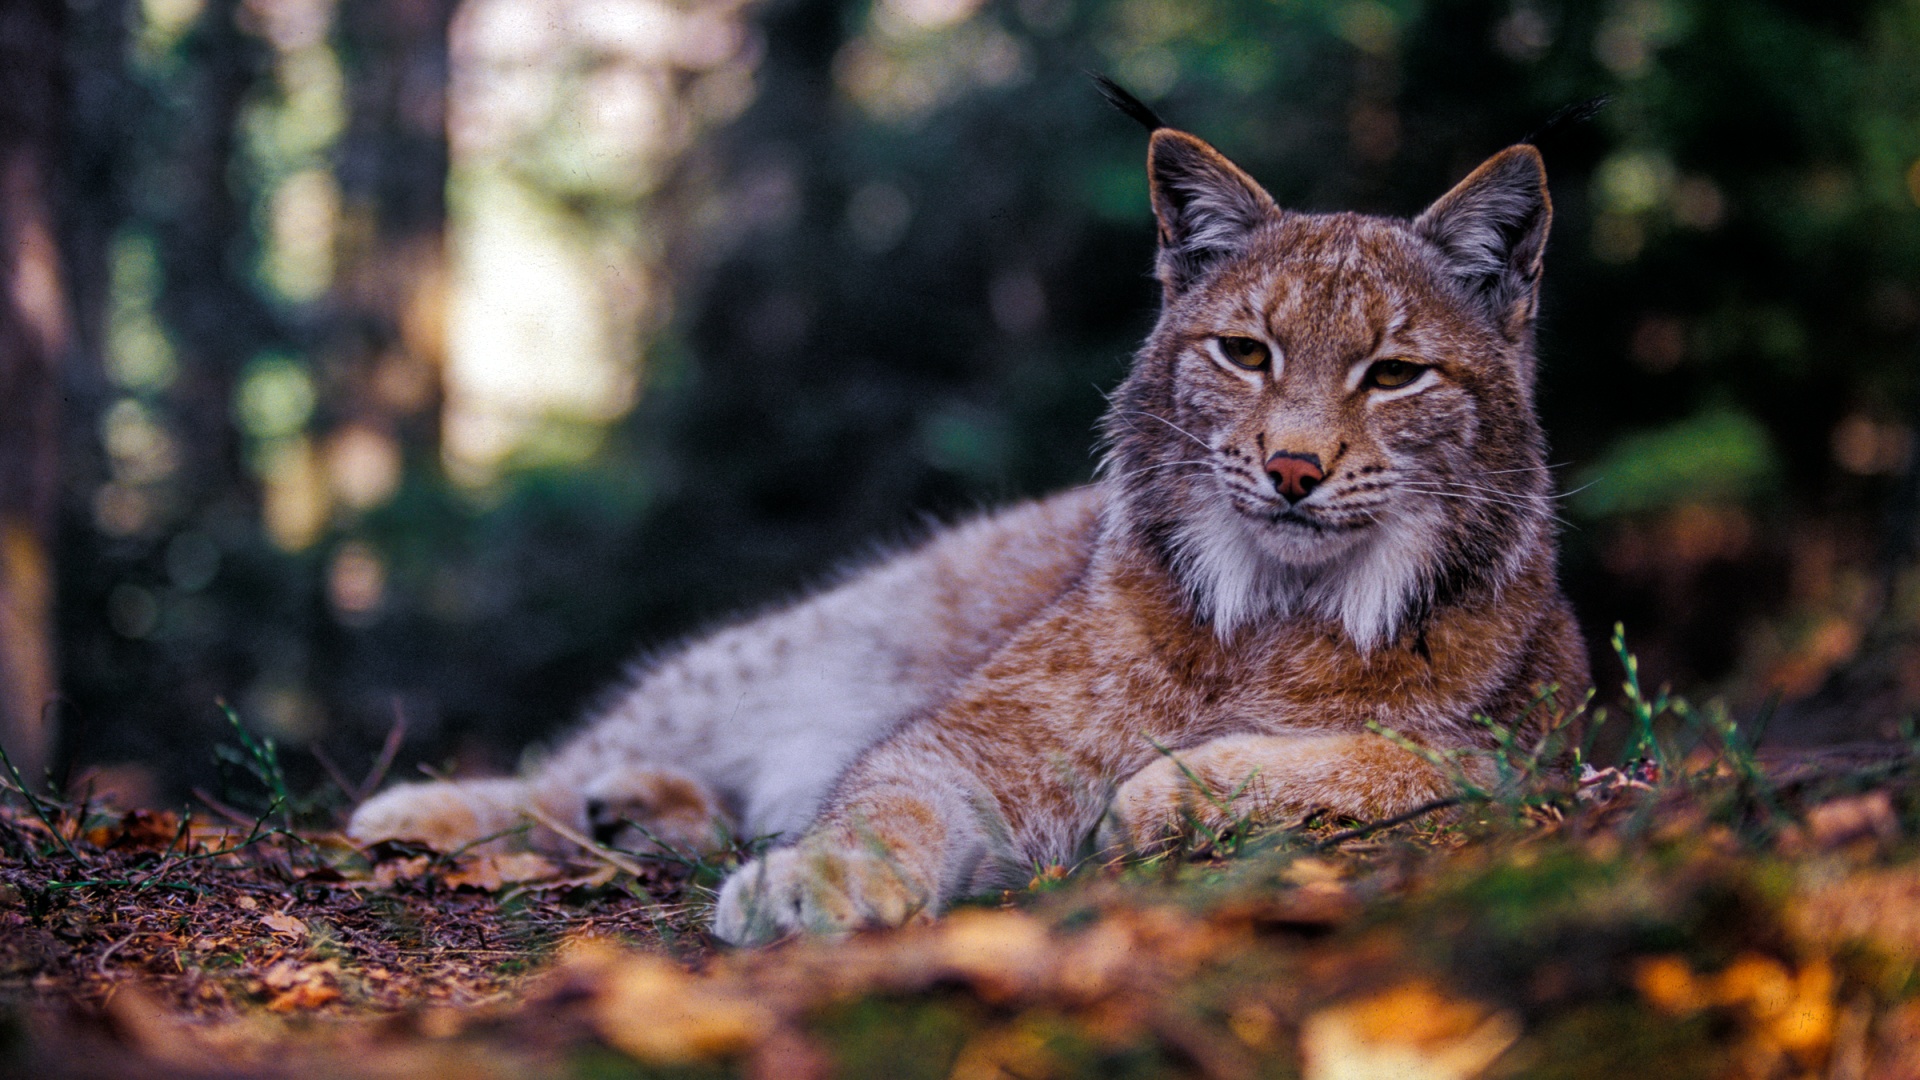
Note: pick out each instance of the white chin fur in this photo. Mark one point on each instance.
(1241, 572)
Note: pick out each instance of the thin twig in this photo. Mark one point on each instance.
(388, 751)
(611, 858)
(333, 771)
(218, 807)
(100, 965)
(446, 858)
(1370, 828)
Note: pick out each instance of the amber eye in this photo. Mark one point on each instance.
(1392, 374)
(1245, 352)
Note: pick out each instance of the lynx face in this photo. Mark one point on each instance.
(1334, 414)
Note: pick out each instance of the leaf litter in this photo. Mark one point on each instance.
(1702, 911)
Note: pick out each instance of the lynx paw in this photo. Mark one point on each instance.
(1268, 779)
(1155, 807)
(644, 809)
(815, 889)
(443, 815)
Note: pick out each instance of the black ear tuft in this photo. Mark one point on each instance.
(1118, 97)
(1564, 117)
(1492, 230)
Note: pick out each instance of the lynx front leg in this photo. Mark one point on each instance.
(1266, 778)
(637, 808)
(899, 839)
(820, 888)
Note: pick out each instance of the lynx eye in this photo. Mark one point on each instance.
(1392, 374)
(1244, 352)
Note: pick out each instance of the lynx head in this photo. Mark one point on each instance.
(1334, 413)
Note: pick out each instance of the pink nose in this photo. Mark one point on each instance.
(1294, 475)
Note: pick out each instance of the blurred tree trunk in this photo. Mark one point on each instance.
(33, 335)
(208, 299)
(387, 341)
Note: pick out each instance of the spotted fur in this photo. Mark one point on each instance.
(1017, 691)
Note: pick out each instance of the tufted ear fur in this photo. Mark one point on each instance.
(1492, 228)
(1207, 207)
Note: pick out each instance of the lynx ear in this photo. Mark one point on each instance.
(1493, 228)
(1207, 207)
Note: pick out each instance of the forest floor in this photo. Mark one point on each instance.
(1701, 911)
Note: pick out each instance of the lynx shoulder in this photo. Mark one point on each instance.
(1323, 510)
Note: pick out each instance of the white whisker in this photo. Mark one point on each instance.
(1526, 468)
(1461, 485)
(1468, 496)
(1162, 465)
(1156, 416)
(1576, 491)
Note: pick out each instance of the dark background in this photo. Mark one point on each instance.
(866, 264)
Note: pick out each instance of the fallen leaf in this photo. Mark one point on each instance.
(301, 986)
(1806, 1026)
(1794, 1010)
(1859, 817)
(303, 996)
(285, 924)
(651, 1009)
(281, 975)
(138, 830)
(1412, 1030)
(1307, 870)
(1668, 984)
(390, 873)
(1000, 952)
(488, 872)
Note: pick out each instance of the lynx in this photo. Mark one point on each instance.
(1323, 513)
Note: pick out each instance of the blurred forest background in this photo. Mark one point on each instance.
(365, 358)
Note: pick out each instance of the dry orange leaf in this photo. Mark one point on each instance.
(138, 830)
(1000, 952)
(1859, 817)
(301, 986)
(1794, 1011)
(648, 1007)
(1411, 1030)
(1668, 984)
(285, 924)
(389, 873)
(303, 996)
(488, 872)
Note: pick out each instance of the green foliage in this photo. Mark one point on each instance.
(1718, 455)
(259, 758)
